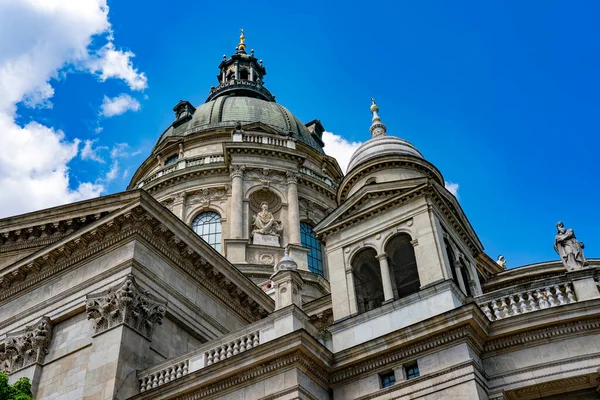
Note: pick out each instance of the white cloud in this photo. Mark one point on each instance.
(39, 40)
(340, 148)
(90, 153)
(112, 173)
(452, 188)
(118, 105)
(111, 63)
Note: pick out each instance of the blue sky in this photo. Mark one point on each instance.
(503, 97)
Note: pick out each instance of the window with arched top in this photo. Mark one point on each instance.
(465, 277)
(315, 249)
(367, 280)
(207, 225)
(403, 265)
(451, 259)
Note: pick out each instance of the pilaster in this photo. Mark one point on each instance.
(124, 317)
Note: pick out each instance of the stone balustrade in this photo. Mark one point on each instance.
(163, 376)
(277, 324)
(229, 349)
(552, 295)
(182, 164)
(263, 138)
(206, 355)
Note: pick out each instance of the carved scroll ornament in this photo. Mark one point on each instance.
(126, 303)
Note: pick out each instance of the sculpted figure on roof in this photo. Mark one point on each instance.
(569, 248)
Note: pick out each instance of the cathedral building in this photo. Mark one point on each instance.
(242, 263)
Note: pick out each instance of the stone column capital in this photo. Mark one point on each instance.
(237, 171)
(292, 177)
(381, 256)
(26, 347)
(126, 303)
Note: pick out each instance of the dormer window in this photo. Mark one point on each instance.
(171, 160)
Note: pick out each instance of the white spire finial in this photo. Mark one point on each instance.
(377, 127)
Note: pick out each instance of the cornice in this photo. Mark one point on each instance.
(279, 152)
(390, 162)
(187, 174)
(135, 222)
(413, 350)
(45, 233)
(431, 378)
(323, 231)
(533, 337)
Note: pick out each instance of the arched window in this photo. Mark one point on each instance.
(403, 265)
(367, 280)
(315, 253)
(207, 225)
(450, 254)
(465, 277)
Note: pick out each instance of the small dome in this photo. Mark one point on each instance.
(381, 146)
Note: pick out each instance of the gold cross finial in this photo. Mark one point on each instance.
(241, 48)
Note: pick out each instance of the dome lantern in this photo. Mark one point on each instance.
(241, 75)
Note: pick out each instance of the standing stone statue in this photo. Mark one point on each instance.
(265, 223)
(501, 261)
(569, 248)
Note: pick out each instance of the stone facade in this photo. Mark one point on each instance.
(375, 287)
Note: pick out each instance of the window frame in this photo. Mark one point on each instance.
(315, 248)
(410, 371)
(216, 235)
(387, 379)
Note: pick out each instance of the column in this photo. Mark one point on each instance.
(388, 292)
(293, 207)
(237, 197)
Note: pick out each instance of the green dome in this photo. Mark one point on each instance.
(226, 111)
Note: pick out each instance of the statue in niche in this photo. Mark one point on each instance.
(569, 248)
(265, 223)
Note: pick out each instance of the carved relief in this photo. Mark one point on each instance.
(205, 196)
(312, 211)
(322, 321)
(267, 259)
(126, 303)
(26, 347)
(266, 176)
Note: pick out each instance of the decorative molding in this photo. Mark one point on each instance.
(26, 347)
(534, 336)
(298, 358)
(44, 234)
(126, 303)
(417, 349)
(312, 210)
(322, 321)
(136, 223)
(266, 176)
(205, 196)
(418, 383)
(553, 385)
(588, 363)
